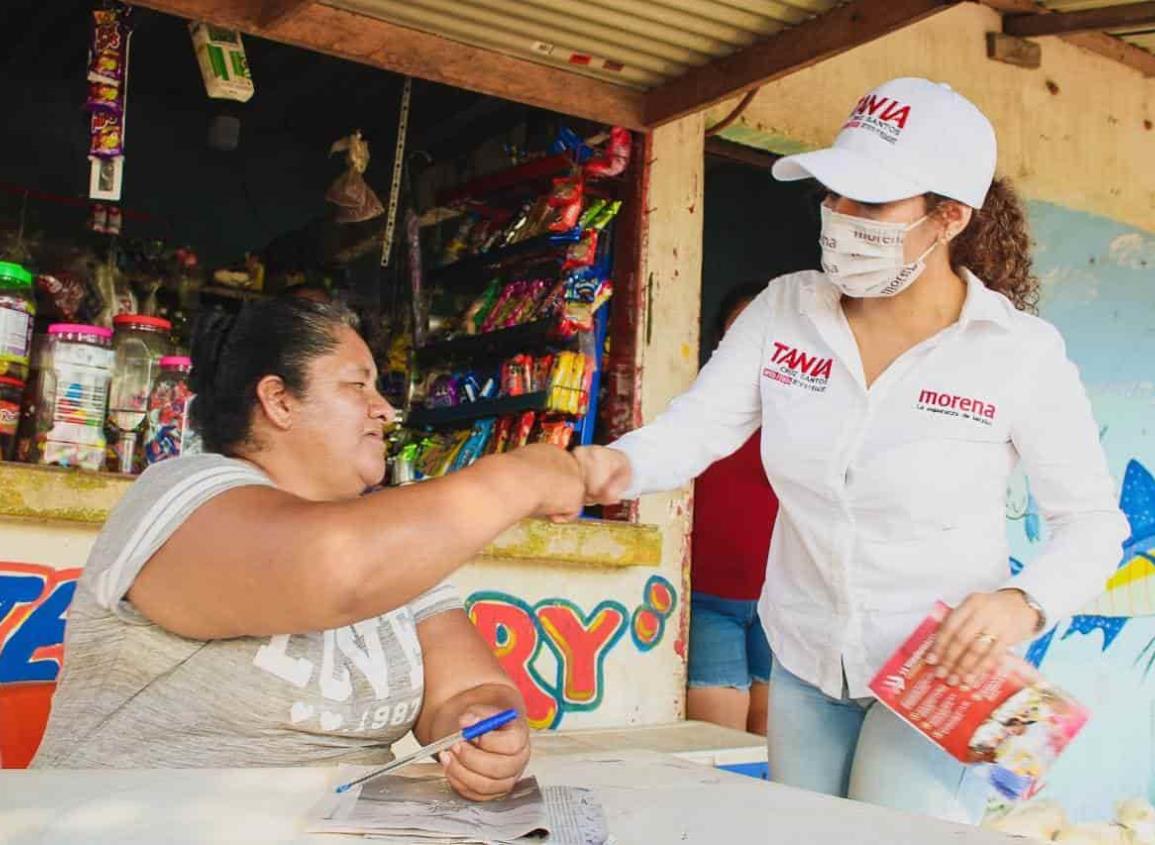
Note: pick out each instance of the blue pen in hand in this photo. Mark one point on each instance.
(464, 735)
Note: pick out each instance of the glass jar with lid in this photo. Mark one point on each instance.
(17, 311)
(168, 407)
(72, 400)
(11, 400)
(138, 345)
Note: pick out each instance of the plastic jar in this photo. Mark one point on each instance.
(138, 345)
(168, 407)
(17, 311)
(72, 402)
(11, 398)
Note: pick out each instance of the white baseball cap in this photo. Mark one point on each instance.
(905, 138)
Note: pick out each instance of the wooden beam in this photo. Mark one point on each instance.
(1100, 43)
(370, 41)
(1014, 51)
(1128, 15)
(276, 12)
(784, 53)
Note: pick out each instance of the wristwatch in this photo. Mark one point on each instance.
(1041, 625)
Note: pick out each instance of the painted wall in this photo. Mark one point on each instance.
(1099, 289)
(587, 646)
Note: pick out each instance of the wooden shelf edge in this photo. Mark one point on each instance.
(50, 494)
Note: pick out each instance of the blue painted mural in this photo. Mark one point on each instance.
(1099, 289)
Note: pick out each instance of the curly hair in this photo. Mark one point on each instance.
(996, 245)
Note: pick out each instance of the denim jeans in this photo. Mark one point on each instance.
(728, 647)
(856, 748)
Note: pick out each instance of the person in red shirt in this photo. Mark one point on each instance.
(734, 512)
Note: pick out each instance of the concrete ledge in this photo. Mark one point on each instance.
(47, 494)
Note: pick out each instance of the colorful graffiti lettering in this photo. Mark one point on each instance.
(33, 601)
(578, 643)
(648, 625)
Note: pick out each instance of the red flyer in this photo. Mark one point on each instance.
(1013, 721)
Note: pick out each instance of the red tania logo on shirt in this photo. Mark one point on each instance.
(795, 367)
(951, 405)
(884, 116)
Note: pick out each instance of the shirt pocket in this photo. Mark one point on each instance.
(930, 484)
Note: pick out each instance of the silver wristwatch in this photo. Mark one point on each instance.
(1038, 608)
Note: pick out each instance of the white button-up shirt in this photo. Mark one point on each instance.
(893, 496)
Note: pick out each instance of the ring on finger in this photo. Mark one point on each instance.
(986, 639)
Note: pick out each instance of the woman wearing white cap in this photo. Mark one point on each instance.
(895, 391)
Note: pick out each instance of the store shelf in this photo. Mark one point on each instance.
(502, 343)
(52, 493)
(473, 264)
(522, 178)
(470, 411)
(69, 497)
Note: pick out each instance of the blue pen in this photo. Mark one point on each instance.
(472, 732)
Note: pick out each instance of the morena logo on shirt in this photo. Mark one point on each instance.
(884, 116)
(793, 367)
(953, 405)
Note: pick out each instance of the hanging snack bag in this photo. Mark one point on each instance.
(614, 159)
(224, 67)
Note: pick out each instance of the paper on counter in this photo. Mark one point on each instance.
(425, 809)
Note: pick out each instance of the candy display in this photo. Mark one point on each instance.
(107, 103)
(1012, 723)
(221, 55)
(432, 455)
(168, 407)
(72, 400)
(17, 311)
(138, 346)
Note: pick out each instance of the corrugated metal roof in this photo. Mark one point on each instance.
(1139, 36)
(636, 43)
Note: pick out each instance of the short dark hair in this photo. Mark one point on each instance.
(738, 295)
(232, 353)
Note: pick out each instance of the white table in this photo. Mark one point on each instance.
(650, 798)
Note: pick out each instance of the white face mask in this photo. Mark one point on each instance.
(865, 257)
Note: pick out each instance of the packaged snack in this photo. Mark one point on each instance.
(103, 96)
(443, 392)
(522, 430)
(517, 376)
(478, 311)
(224, 67)
(1012, 723)
(105, 179)
(604, 216)
(591, 212)
(107, 135)
(557, 432)
(501, 435)
(566, 200)
(614, 159)
(542, 369)
(584, 253)
(474, 446)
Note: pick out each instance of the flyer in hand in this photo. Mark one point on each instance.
(1012, 722)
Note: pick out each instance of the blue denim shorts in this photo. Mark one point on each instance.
(728, 647)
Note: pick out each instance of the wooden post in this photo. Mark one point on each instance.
(670, 270)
